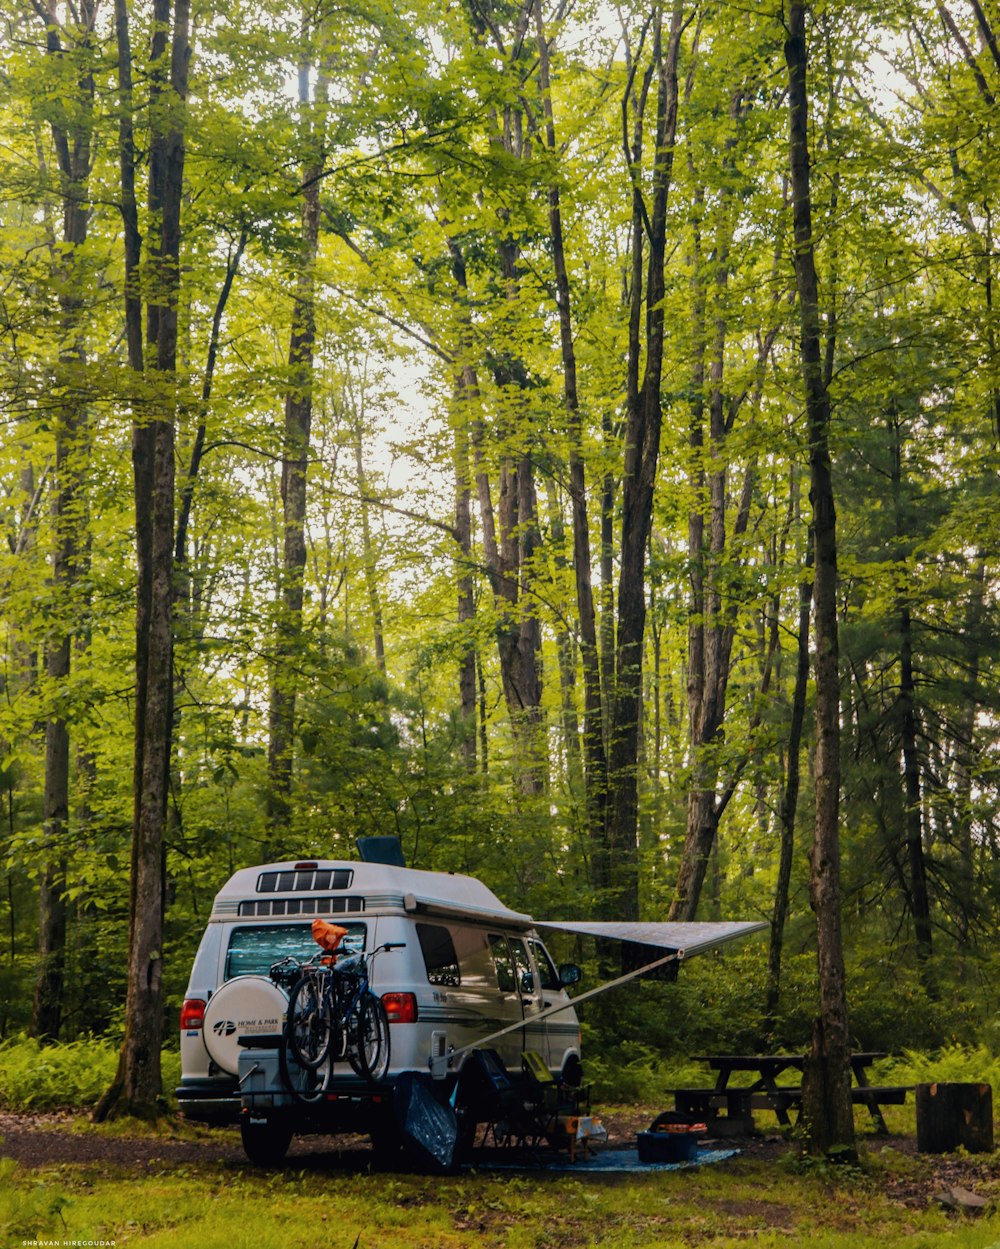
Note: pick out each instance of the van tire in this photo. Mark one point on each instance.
(266, 1144)
(387, 1142)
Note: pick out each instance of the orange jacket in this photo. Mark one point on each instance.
(327, 935)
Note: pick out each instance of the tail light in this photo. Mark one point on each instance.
(192, 1014)
(400, 1007)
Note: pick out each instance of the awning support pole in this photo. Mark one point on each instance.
(439, 1065)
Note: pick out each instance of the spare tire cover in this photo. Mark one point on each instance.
(243, 1006)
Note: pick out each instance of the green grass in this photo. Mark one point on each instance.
(229, 1207)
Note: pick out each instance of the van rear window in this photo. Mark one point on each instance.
(439, 954)
(253, 949)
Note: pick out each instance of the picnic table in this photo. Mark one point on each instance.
(765, 1093)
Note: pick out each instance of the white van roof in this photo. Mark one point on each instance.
(381, 886)
(335, 888)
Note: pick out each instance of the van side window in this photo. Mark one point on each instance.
(521, 961)
(503, 962)
(439, 954)
(546, 968)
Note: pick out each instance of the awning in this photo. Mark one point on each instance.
(678, 940)
(686, 938)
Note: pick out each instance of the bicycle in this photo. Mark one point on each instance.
(334, 1014)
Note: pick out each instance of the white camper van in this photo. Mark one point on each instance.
(465, 967)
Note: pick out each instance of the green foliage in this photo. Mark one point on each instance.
(71, 1074)
(959, 1063)
(436, 262)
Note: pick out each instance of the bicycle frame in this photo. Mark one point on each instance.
(338, 997)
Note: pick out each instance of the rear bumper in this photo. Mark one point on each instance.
(209, 1101)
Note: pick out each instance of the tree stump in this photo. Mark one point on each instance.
(954, 1115)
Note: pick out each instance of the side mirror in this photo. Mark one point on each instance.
(569, 974)
(527, 982)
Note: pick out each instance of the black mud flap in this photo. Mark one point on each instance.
(428, 1127)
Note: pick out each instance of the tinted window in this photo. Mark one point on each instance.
(252, 950)
(503, 963)
(439, 954)
(546, 968)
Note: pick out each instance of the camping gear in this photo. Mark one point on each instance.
(427, 1127)
(670, 1138)
(327, 935)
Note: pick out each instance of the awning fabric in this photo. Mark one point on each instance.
(688, 938)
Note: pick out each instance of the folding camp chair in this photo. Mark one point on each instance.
(564, 1108)
(487, 1093)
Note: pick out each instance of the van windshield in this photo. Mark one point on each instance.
(254, 948)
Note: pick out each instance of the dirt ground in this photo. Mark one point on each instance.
(43, 1140)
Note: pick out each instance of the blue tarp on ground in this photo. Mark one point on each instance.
(604, 1161)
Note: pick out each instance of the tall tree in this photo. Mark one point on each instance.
(595, 759)
(827, 1106)
(136, 1087)
(644, 416)
(71, 123)
(295, 439)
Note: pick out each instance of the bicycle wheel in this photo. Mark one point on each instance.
(309, 1029)
(369, 1055)
(304, 1085)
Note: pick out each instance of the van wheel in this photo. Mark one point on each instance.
(387, 1143)
(572, 1072)
(266, 1144)
(465, 1142)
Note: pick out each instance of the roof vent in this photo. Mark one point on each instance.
(381, 850)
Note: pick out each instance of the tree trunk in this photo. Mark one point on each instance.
(788, 806)
(711, 630)
(295, 461)
(912, 815)
(827, 1104)
(136, 1089)
(966, 756)
(73, 148)
(510, 538)
(595, 761)
(464, 579)
(566, 656)
(368, 551)
(911, 791)
(642, 445)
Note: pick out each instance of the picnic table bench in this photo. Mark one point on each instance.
(765, 1093)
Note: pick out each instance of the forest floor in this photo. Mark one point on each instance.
(65, 1181)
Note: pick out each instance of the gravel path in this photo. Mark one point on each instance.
(50, 1140)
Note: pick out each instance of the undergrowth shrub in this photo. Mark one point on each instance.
(70, 1075)
(960, 1063)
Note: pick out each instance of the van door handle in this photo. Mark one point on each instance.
(545, 1005)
